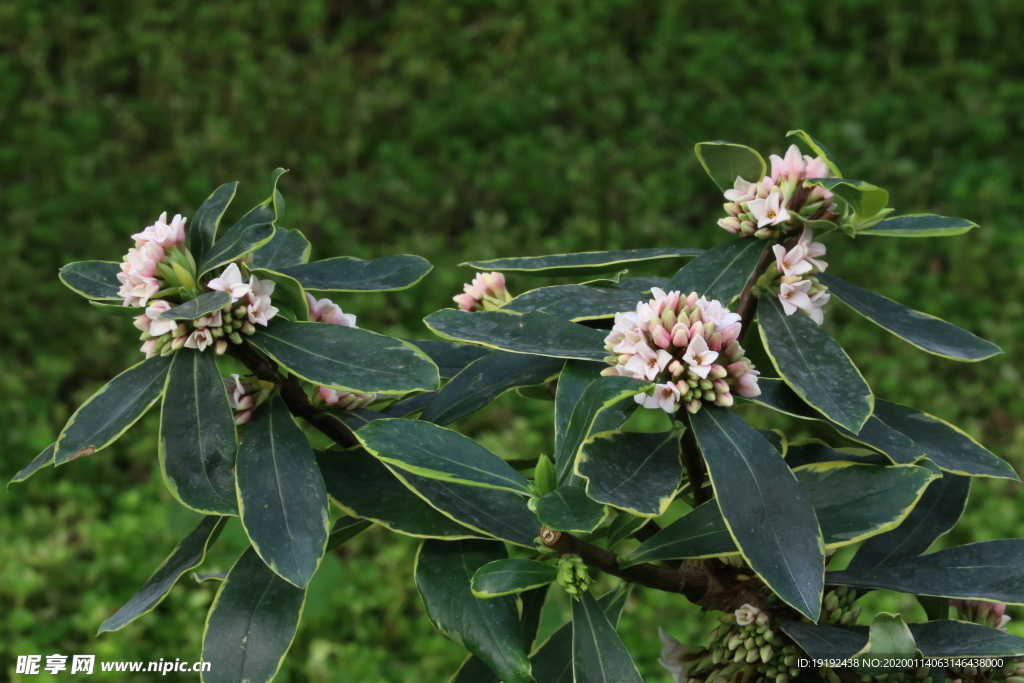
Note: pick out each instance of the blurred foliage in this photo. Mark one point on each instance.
(457, 129)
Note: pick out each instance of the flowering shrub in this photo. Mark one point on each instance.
(763, 513)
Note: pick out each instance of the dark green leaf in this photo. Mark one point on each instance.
(722, 272)
(287, 290)
(408, 406)
(585, 263)
(93, 279)
(598, 655)
(347, 358)
(865, 199)
(532, 333)
(924, 331)
(492, 512)
(503, 577)
(814, 365)
(347, 274)
(825, 642)
(818, 149)
(112, 410)
(603, 406)
(639, 473)
(725, 161)
(583, 302)
(185, 557)
(281, 496)
(851, 501)
(117, 310)
(484, 380)
(766, 510)
(576, 376)
(44, 459)
(777, 395)
(568, 508)
(364, 487)
(450, 357)
(197, 435)
(203, 304)
(251, 624)
(202, 229)
(814, 453)
(489, 628)
(286, 248)
(623, 526)
(946, 445)
(431, 451)
(920, 225)
(552, 662)
(949, 638)
(989, 570)
(344, 529)
(936, 514)
(252, 231)
(934, 608)
(216, 577)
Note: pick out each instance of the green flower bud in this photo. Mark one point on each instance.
(240, 312)
(767, 652)
(248, 327)
(782, 678)
(762, 619)
(741, 654)
(572, 575)
(753, 656)
(217, 332)
(735, 641)
(769, 636)
(220, 347)
(235, 338)
(717, 656)
(835, 614)
(831, 602)
(545, 479)
(759, 641)
(846, 619)
(167, 350)
(706, 384)
(772, 672)
(749, 643)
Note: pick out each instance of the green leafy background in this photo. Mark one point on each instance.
(460, 129)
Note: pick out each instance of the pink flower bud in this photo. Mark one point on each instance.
(661, 337)
(243, 417)
(737, 369)
(747, 387)
(692, 407)
(668, 316)
(691, 299)
(696, 330)
(715, 341)
(730, 333)
(733, 209)
(730, 224)
(733, 351)
(724, 400)
(681, 335)
(676, 368)
(720, 387)
(609, 372)
(466, 302)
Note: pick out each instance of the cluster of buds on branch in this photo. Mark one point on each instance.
(838, 607)
(157, 264)
(690, 347)
(326, 311)
(744, 647)
(766, 209)
(573, 575)
(791, 277)
(485, 293)
(250, 306)
(245, 396)
(992, 614)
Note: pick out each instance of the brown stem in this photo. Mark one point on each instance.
(294, 396)
(693, 459)
(747, 305)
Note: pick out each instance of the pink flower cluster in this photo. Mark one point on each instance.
(761, 208)
(991, 614)
(250, 306)
(326, 311)
(797, 289)
(688, 346)
(242, 402)
(139, 276)
(486, 293)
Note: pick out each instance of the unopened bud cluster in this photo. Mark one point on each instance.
(838, 607)
(992, 614)
(326, 311)
(768, 208)
(158, 261)
(791, 277)
(573, 575)
(743, 647)
(485, 293)
(689, 347)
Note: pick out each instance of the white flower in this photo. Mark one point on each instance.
(817, 302)
(741, 191)
(712, 311)
(746, 615)
(792, 262)
(137, 289)
(699, 357)
(214, 319)
(812, 250)
(199, 339)
(769, 211)
(746, 385)
(667, 396)
(791, 167)
(794, 297)
(158, 326)
(672, 656)
(230, 281)
(237, 397)
(259, 309)
(646, 363)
